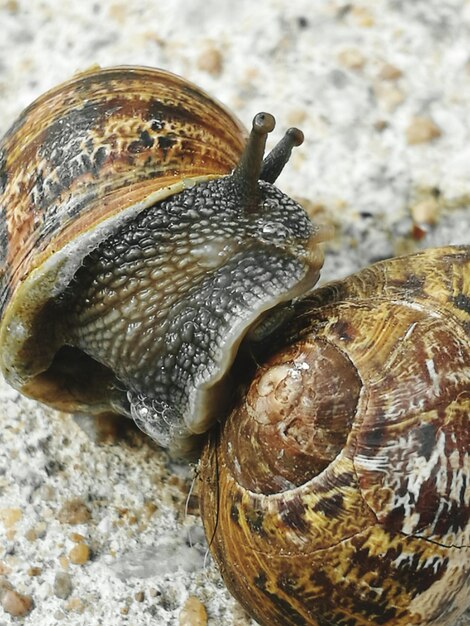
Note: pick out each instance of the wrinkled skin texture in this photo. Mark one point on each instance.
(165, 303)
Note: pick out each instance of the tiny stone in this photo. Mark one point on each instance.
(12, 6)
(363, 16)
(139, 596)
(37, 532)
(149, 509)
(352, 58)
(380, 125)
(15, 603)
(422, 130)
(388, 95)
(77, 537)
(389, 72)
(62, 585)
(210, 61)
(124, 610)
(418, 232)
(79, 554)
(74, 512)
(76, 605)
(118, 12)
(31, 535)
(10, 517)
(425, 212)
(296, 117)
(34, 571)
(64, 561)
(193, 613)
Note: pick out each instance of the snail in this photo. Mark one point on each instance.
(337, 492)
(143, 245)
(142, 241)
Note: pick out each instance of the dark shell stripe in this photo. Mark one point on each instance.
(381, 536)
(367, 575)
(99, 143)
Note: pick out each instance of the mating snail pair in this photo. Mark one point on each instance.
(147, 256)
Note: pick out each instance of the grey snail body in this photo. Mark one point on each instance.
(142, 238)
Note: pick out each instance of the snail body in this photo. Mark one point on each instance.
(338, 490)
(141, 240)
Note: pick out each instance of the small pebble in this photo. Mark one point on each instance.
(10, 517)
(425, 212)
(352, 58)
(139, 596)
(64, 561)
(296, 117)
(210, 61)
(362, 16)
(15, 603)
(75, 604)
(79, 554)
(74, 512)
(381, 125)
(418, 232)
(62, 585)
(34, 571)
(193, 613)
(12, 6)
(422, 130)
(118, 12)
(37, 532)
(389, 72)
(388, 95)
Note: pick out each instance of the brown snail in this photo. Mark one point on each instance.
(338, 490)
(141, 240)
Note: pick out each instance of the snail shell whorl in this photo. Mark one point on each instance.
(91, 142)
(379, 532)
(79, 162)
(99, 149)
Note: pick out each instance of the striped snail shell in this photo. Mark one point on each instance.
(141, 240)
(338, 490)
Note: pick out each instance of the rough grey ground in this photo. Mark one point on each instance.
(362, 81)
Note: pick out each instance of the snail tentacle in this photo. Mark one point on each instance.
(276, 160)
(246, 175)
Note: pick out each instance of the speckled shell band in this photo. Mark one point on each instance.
(380, 532)
(82, 159)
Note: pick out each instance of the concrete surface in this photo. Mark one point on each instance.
(382, 93)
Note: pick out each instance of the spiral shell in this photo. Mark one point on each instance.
(338, 491)
(79, 162)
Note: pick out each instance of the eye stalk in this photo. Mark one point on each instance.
(253, 167)
(275, 161)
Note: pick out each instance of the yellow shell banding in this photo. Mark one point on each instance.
(338, 489)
